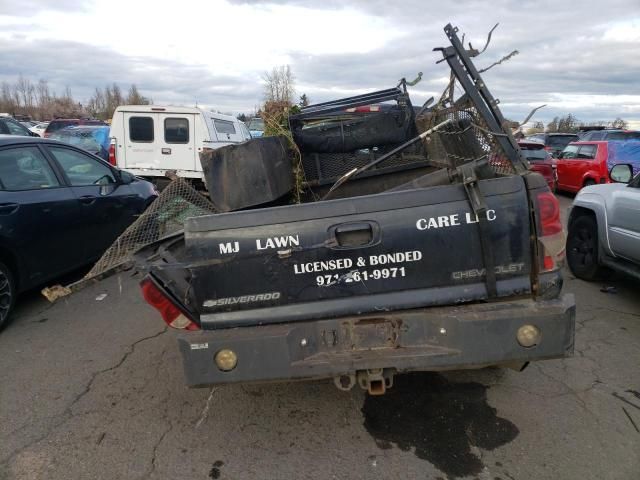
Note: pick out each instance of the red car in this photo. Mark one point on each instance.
(582, 164)
(540, 160)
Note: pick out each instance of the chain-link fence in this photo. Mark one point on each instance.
(165, 216)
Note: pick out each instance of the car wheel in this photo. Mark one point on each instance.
(7, 294)
(588, 182)
(582, 249)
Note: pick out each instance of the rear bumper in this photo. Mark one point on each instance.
(457, 337)
(161, 172)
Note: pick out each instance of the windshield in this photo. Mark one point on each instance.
(561, 141)
(256, 124)
(60, 124)
(623, 136)
(90, 139)
(534, 154)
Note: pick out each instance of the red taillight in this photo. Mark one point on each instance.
(549, 213)
(550, 233)
(112, 154)
(172, 315)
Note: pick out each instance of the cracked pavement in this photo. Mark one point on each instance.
(94, 389)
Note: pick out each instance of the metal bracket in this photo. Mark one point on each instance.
(466, 73)
(479, 207)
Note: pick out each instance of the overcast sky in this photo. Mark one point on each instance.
(581, 58)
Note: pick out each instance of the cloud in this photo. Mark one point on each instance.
(83, 68)
(565, 53)
(570, 58)
(26, 8)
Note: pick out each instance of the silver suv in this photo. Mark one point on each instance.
(604, 227)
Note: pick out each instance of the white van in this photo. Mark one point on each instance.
(149, 140)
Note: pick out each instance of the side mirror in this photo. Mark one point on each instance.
(126, 178)
(621, 173)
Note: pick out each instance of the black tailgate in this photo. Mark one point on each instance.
(382, 252)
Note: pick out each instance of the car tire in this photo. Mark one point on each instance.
(588, 182)
(7, 294)
(582, 249)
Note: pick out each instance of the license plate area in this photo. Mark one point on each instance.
(375, 333)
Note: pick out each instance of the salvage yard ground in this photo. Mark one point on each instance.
(94, 390)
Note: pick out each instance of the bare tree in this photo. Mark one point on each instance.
(135, 98)
(43, 96)
(15, 93)
(7, 101)
(67, 93)
(619, 123)
(39, 101)
(568, 124)
(279, 85)
(25, 93)
(113, 98)
(538, 127)
(97, 105)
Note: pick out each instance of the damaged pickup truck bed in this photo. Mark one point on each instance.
(459, 268)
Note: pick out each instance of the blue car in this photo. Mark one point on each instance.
(91, 138)
(256, 127)
(60, 209)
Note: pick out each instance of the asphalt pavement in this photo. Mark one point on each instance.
(93, 389)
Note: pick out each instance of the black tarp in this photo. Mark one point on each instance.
(252, 173)
(350, 134)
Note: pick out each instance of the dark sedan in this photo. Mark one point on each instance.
(60, 209)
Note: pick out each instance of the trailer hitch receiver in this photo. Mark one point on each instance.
(375, 381)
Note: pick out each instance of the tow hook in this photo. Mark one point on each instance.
(375, 381)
